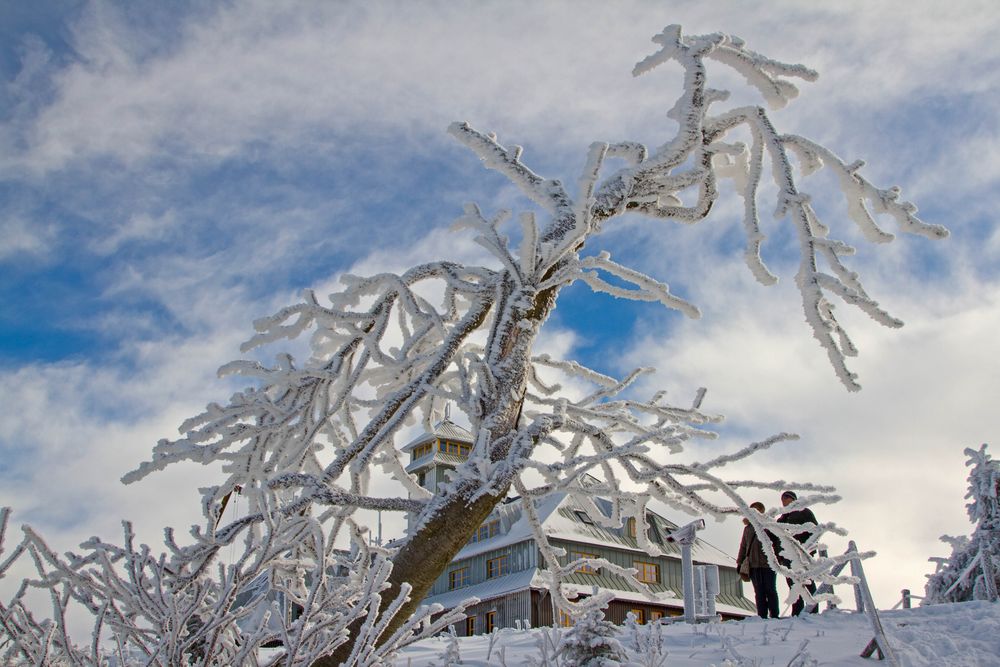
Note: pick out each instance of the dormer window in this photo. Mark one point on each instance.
(421, 451)
(454, 448)
(486, 531)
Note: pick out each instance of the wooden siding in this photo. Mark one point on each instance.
(670, 568)
(541, 608)
(618, 610)
(520, 556)
(511, 610)
(671, 577)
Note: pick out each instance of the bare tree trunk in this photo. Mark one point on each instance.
(427, 553)
(421, 560)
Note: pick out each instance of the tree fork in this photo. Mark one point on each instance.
(426, 554)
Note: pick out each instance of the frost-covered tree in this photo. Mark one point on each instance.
(452, 656)
(592, 642)
(388, 350)
(972, 572)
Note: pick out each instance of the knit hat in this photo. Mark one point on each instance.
(790, 495)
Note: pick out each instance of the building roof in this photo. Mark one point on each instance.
(532, 578)
(444, 429)
(436, 456)
(560, 519)
(489, 589)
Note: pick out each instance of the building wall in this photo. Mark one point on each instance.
(671, 576)
(509, 612)
(520, 556)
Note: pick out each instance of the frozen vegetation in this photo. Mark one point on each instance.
(952, 635)
(972, 572)
(388, 351)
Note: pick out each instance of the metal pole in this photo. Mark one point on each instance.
(685, 537)
(687, 569)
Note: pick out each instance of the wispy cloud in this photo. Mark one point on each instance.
(177, 173)
(23, 240)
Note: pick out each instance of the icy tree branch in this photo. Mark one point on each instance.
(303, 441)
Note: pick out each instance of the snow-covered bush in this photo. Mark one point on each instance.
(305, 439)
(452, 656)
(972, 572)
(646, 642)
(592, 642)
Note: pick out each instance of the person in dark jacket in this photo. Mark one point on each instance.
(763, 578)
(799, 517)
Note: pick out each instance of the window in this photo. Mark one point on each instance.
(583, 569)
(455, 448)
(491, 621)
(649, 573)
(421, 450)
(640, 615)
(584, 517)
(458, 578)
(630, 527)
(565, 620)
(470, 626)
(486, 531)
(497, 567)
(422, 478)
(655, 615)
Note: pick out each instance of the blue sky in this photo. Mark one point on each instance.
(169, 172)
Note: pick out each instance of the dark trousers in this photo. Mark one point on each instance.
(799, 604)
(765, 591)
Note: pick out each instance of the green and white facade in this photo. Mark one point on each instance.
(502, 565)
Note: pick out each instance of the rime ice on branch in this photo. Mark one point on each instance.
(304, 441)
(972, 572)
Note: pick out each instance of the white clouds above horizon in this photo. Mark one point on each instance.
(128, 134)
(288, 74)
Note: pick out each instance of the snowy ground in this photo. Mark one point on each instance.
(959, 635)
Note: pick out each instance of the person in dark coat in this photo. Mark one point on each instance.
(799, 517)
(763, 578)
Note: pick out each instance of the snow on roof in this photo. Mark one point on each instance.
(531, 578)
(436, 456)
(558, 516)
(665, 598)
(445, 429)
(518, 530)
(489, 589)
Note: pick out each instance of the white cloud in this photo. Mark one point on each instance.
(262, 81)
(894, 450)
(20, 239)
(141, 227)
(291, 75)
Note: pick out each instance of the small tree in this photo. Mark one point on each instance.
(304, 440)
(591, 642)
(973, 570)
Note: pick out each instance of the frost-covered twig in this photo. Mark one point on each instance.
(388, 351)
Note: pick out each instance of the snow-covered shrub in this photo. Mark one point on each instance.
(451, 656)
(306, 438)
(646, 642)
(591, 642)
(972, 572)
(547, 641)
